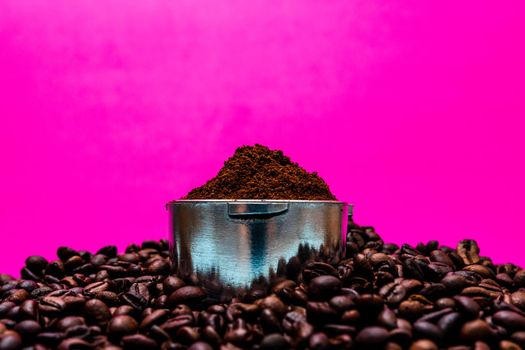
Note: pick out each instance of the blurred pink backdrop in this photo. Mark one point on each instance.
(412, 110)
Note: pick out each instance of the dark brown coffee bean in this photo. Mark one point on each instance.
(159, 267)
(171, 284)
(411, 309)
(274, 303)
(5, 307)
(427, 330)
(189, 295)
(138, 342)
(270, 323)
(10, 340)
(450, 322)
(273, 342)
(74, 344)
(109, 251)
(51, 339)
(28, 328)
(119, 326)
(69, 321)
(372, 303)
(51, 305)
(98, 311)
(393, 293)
(320, 312)
(172, 325)
(518, 338)
(445, 303)
(202, 346)
(468, 250)
(476, 330)
(424, 344)
(156, 317)
(36, 264)
(372, 336)
(387, 318)
(508, 345)
(17, 296)
(509, 319)
(324, 287)
(342, 303)
(468, 307)
(28, 310)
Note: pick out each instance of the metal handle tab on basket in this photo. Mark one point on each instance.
(256, 210)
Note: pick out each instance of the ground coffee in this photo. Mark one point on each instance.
(256, 172)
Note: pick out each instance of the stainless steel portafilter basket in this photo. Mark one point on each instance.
(236, 241)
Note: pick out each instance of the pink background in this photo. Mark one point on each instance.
(412, 110)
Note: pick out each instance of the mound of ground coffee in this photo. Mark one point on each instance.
(256, 172)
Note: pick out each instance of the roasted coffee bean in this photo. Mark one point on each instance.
(387, 318)
(203, 346)
(28, 328)
(468, 250)
(10, 340)
(98, 311)
(427, 330)
(171, 284)
(274, 341)
(450, 322)
(509, 319)
(109, 251)
(372, 336)
(468, 307)
(189, 295)
(424, 344)
(156, 317)
(323, 287)
(476, 330)
(74, 344)
(138, 342)
(122, 325)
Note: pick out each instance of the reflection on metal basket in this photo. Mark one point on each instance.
(233, 242)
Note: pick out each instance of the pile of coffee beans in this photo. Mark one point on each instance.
(374, 296)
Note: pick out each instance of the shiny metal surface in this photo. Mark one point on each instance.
(236, 241)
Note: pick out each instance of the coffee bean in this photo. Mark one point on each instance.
(10, 340)
(119, 326)
(509, 319)
(387, 318)
(202, 346)
(468, 307)
(342, 302)
(74, 344)
(476, 330)
(156, 317)
(172, 325)
(274, 342)
(69, 321)
(468, 250)
(109, 251)
(424, 344)
(171, 284)
(98, 311)
(450, 322)
(323, 287)
(189, 295)
(372, 336)
(427, 330)
(518, 338)
(138, 341)
(508, 345)
(28, 328)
